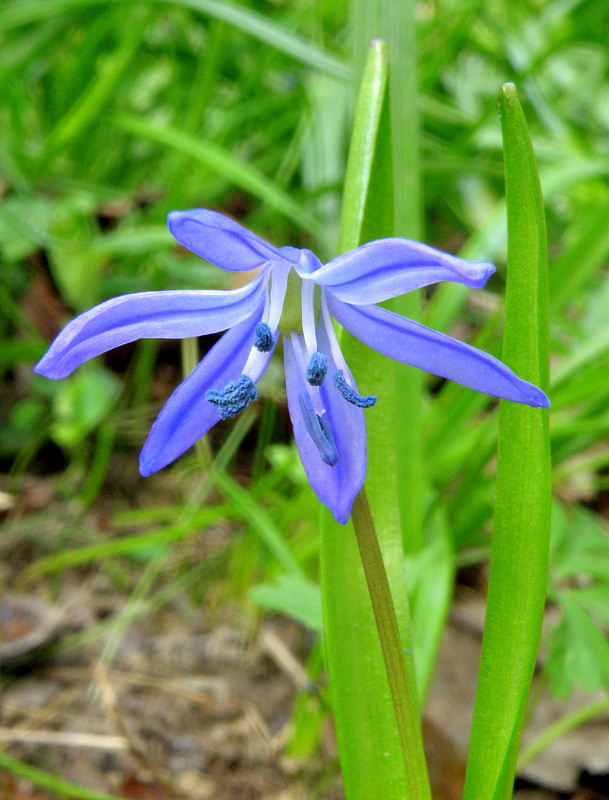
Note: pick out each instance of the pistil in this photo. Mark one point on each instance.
(319, 430)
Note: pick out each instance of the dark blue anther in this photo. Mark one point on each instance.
(263, 338)
(350, 395)
(235, 396)
(319, 430)
(316, 371)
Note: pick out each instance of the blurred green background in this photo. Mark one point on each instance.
(114, 113)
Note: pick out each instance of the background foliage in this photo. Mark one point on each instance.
(114, 113)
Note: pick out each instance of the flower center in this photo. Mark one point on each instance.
(239, 393)
(291, 318)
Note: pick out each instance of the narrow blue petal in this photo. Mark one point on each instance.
(414, 344)
(188, 415)
(225, 243)
(390, 267)
(335, 486)
(148, 315)
(291, 254)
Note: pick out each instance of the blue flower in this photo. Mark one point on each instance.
(325, 406)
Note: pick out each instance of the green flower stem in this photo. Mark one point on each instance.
(401, 685)
(189, 350)
(519, 553)
(561, 727)
(368, 738)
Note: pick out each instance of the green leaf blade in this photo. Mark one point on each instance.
(518, 576)
(369, 739)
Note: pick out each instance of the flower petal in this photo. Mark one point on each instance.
(307, 263)
(225, 243)
(335, 486)
(148, 315)
(187, 415)
(390, 267)
(415, 344)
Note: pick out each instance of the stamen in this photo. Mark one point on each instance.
(308, 316)
(349, 393)
(316, 371)
(319, 430)
(279, 284)
(257, 359)
(235, 397)
(263, 338)
(337, 355)
(313, 393)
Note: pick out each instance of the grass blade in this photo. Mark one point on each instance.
(251, 22)
(45, 780)
(369, 741)
(230, 166)
(260, 521)
(519, 556)
(87, 106)
(394, 22)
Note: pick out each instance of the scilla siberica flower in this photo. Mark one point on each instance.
(325, 406)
